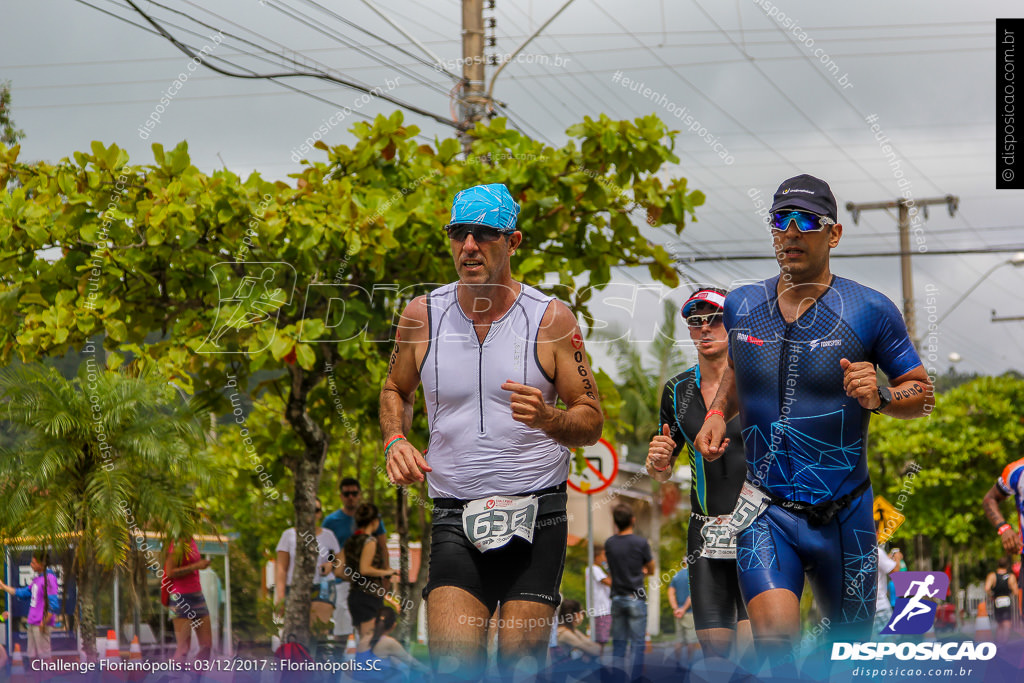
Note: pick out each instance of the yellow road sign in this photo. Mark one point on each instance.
(887, 518)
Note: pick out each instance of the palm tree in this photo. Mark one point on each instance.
(641, 381)
(98, 459)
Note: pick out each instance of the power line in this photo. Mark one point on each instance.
(347, 22)
(302, 18)
(271, 76)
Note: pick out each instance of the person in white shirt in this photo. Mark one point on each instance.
(601, 594)
(886, 565)
(323, 589)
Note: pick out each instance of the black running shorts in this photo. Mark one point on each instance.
(714, 587)
(516, 571)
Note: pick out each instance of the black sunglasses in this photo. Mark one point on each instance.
(480, 233)
(350, 493)
(701, 320)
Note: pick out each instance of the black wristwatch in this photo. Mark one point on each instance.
(885, 396)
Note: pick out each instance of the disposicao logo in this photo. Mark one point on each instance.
(916, 596)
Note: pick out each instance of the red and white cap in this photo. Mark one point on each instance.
(708, 296)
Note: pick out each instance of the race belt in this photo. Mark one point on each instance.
(720, 532)
(491, 522)
(820, 514)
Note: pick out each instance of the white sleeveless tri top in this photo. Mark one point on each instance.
(476, 448)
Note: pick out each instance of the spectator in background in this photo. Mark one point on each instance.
(4, 616)
(629, 559)
(323, 582)
(187, 605)
(575, 655)
(887, 564)
(342, 524)
(366, 568)
(679, 601)
(394, 662)
(43, 603)
(601, 594)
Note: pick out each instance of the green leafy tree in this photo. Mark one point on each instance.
(99, 459)
(9, 135)
(212, 276)
(937, 469)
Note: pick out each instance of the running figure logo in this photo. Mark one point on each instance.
(917, 596)
(255, 300)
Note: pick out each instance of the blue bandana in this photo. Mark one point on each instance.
(489, 205)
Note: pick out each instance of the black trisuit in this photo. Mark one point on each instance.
(714, 584)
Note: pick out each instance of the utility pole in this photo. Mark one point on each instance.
(904, 206)
(472, 104)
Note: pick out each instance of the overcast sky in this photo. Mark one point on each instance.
(757, 87)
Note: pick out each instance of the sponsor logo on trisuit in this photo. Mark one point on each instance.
(749, 338)
(826, 343)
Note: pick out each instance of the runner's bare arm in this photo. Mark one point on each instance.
(405, 464)
(711, 441)
(912, 393)
(1010, 539)
(990, 503)
(563, 357)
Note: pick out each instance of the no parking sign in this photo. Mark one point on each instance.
(602, 466)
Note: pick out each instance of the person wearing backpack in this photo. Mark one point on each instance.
(44, 601)
(365, 567)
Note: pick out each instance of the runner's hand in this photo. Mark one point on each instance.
(1011, 541)
(528, 405)
(659, 453)
(861, 383)
(405, 464)
(711, 441)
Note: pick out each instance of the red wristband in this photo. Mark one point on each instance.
(714, 412)
(1004, 527)
(392, 442)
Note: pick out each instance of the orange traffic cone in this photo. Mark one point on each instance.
(982, 625)
(113, 651)
(135, 650)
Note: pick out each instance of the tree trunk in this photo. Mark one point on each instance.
(306, 469)
(402, 527)
(86, 609)
(422, 501)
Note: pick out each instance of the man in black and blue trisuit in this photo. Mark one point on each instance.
(803, 351)
(719, 614)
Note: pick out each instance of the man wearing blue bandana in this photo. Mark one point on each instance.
(493, 355)
(803, 351)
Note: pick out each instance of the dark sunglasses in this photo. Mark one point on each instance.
(319, 510)
(480, 233)
(701, 320)
(350, 493)
(805, 221)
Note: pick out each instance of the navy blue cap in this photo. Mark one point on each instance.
(807, 193)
